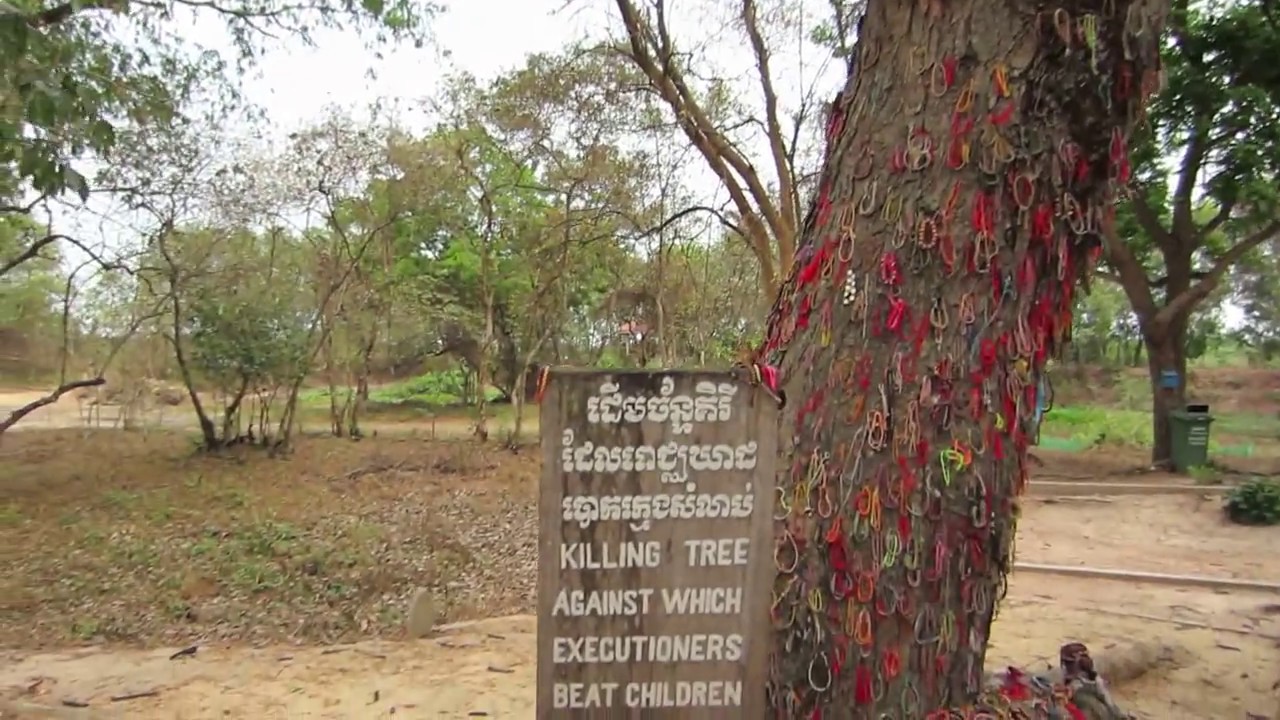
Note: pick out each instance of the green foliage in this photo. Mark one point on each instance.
(1206, 171)
(1215, 126)
(433, 390)
(523, 205)
(1089, 425)
(1221, 98)
(234, 294)
(1104, 328)
(1257, 294)
(1256, 502)
(71, 74)
(29, 292)
(1094, 425)
(1216, 82)
(253, 340)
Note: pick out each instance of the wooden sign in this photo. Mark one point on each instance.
(655, 554)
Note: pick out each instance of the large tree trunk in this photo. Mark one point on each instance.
(911, 334)
(1166, 350)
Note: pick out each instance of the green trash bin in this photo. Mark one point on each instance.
(1190, 441)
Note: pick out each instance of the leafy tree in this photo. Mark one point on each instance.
(29, 292)
(1257, 293)
(246, 331)
(1219, 114)
(1103, 329)
(77, 76)
(524, 196)
(72, 72)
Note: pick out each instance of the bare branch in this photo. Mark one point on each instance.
(717, 214)
(1132, 278)
(1187, 301)
(53, 397)
(777, 146)
(650, 47)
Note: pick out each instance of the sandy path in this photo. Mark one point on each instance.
(487, 669)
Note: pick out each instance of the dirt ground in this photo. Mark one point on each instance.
(292, 577)
(487, 669)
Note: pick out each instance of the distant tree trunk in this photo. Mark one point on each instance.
(208, 433)
(972, 160)
(231, 411)
(337, 412)
(521, 395)
(361, 398)
(1166, 350)
(518, 401)
(288, 417)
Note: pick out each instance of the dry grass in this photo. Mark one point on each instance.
(128, 537)
(134, 537)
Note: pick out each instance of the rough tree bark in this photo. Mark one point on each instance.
(973, 160)
(1166, 350)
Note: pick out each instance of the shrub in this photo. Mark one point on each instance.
(1256, 502)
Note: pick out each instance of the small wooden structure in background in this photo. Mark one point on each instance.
(655, 558)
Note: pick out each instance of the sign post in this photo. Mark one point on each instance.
(655, 553)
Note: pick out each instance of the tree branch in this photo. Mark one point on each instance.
(1150, 221)
(49, 399)
(31, 253)
(1186, 302)
(1132, 278)
(61, 13)
(1223, 214)
(841, 15)
(762, 218)
(1183, 225)
(717, 214)
(777, 146)
(1163, 280)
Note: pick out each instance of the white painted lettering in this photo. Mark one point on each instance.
(715, 693)
(642, 510)
(647, 648)
(702, 601)
(583, 696)
(729, 551)
(602, 603)
(584, 556)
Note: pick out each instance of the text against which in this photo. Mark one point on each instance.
(625, 602)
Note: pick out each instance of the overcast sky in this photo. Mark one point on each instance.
(483, 37)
